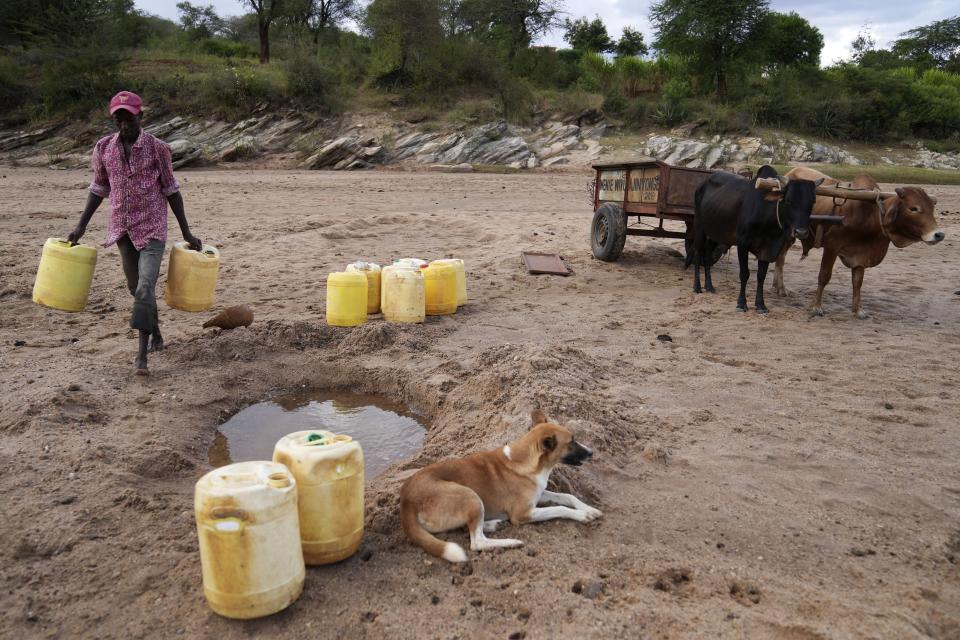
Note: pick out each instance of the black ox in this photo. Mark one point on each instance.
(729, 212)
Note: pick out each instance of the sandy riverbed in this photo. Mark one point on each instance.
(801, 476)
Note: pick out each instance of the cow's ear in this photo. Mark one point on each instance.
(891, 212)
(900, 192)
(550, 443)
(537, 417)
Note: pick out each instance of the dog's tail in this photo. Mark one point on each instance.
(449, 551)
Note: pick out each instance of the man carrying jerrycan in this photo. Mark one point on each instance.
(135, 170)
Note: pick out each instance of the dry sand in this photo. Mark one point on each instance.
(774, 476)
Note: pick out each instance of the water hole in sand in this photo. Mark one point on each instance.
(387, 431)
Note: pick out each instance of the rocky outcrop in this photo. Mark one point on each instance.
(717, 151)
(345, 152)
(299, 140)
(494, 143)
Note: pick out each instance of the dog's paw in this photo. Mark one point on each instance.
(492, 526)
(590, 514)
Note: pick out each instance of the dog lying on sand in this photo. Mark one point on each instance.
(508, 482)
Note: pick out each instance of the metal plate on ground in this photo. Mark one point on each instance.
(548, 263)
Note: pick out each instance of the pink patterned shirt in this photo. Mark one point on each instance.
(138, 191)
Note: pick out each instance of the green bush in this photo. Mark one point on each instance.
(670, 113)
(309, 82)
(225, 48)
(516, 99)
(639, 113)
(937, 108)
(236, 91)
(635, 76)
(597, 73)
(13, 93)
(722, 118)
(77, 81)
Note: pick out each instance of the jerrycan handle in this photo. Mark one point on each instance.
(228, 519)
(229, 526)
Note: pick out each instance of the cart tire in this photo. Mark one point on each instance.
(608, 232)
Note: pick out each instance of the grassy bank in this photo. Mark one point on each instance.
(886, 173)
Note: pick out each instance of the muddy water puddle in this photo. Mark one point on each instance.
(387, 431)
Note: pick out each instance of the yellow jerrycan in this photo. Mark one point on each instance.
(402, 294)
(415, 263)
(64, 276)
(461, 272)
(440, 282)
(372, 271)
(329, 473)
(192, 277)
(249, 539)
(346, 298)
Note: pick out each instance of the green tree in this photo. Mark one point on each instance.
(788, 40)
(585, 35)
(65, 24)
(630, 44)
(404, 34)
(714, 35)
(513, 24)
(320, 15)
(934, 45)
(199, 22)
(267, 11)
(863, 44)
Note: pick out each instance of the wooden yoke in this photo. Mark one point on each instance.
(834, 191)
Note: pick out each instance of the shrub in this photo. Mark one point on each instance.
(310, 82)
(596, 73)
(225, 48)
(516, 98)
(236, 91)
(636, 76)
(639, 113)
(670, 113)
(12, 92)
(721, 118)
(78, 80)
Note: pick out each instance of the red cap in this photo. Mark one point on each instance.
(126, 100)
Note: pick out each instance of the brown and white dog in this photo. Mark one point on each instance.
(508, 482)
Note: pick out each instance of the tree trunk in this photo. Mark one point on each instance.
(264, 28)
(721, 82)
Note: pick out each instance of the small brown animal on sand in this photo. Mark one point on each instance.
(480, 491)
(231, 318)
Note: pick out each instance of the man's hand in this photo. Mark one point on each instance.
(194, 242)
(76, 234)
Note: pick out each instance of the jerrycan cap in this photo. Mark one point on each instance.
(316, 439)
(322, 439)
(247, 476)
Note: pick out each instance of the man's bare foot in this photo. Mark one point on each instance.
(141, 363)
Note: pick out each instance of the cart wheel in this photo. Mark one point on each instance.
(608, 232)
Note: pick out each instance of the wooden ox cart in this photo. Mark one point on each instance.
(654, 192)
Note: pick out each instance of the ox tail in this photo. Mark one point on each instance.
(449, 551)
(692, 248)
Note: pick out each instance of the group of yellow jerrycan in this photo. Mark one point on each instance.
(66, 273)
(259, 523)
(406, 291)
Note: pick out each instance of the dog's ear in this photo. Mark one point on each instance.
(549, 443)
(538, 417)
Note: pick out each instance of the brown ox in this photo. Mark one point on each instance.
(864, 237)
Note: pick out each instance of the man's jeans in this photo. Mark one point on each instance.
(142, 269)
